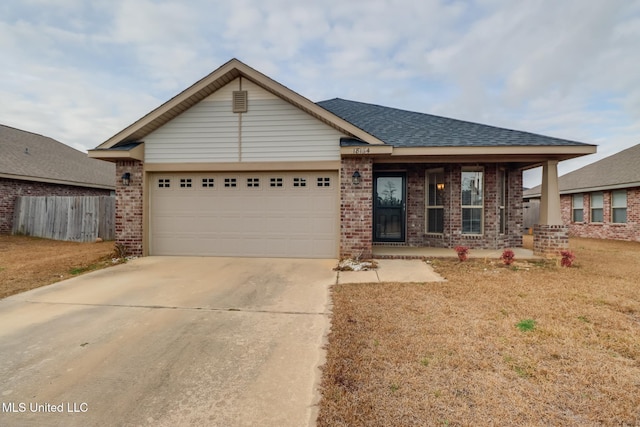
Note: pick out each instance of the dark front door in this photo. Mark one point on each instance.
(389, 207)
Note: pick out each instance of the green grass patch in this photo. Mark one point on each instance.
(526, 325)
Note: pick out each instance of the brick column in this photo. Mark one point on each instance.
(549, 240)
(356, 208)
(551, 235)
(129, 206)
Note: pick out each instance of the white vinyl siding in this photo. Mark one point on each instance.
(271, 130)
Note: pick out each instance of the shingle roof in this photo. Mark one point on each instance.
(617, 171)
(401, 128)
(33, 157)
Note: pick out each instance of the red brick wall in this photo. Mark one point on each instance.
(12, 188)
(129, 201)
(356, 208)
(549, 240)
(605, 230)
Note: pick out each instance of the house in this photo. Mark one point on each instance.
(240, 165)
(35, 165)
(602, 200)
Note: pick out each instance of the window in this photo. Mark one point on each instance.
(324, 182)
(435, 202)
(253, 182)
(577, 207)
(185, 182)
(502, 200)
(596, 207)
(472, 201)
(299, 182)
(619, 206)
(164, 183)
(276, 182)
(230, 182)
(207, 182)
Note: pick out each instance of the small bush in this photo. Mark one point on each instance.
(508, 256)
(567, 258)
(463, 252)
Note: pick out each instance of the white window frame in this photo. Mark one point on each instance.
(575, 207)
(427, 200)
(479, 207)
(503, 182)
(615, 207)
(593, 207)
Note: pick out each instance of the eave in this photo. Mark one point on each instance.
(56, 181)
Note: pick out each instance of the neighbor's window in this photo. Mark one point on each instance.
(597, 202)
(472, 201)
(502, 199)
(577, 206)
(619, 206)
(435, 202)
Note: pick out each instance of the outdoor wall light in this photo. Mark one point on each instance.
(355, 178)
(440, 186)
(126, 179)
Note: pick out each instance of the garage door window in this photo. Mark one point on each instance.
(164, 183)
(324, 182)
(276, 182)
(253, 182)
(230, 183)
(208, 182)
(185, 183)
(299, 182)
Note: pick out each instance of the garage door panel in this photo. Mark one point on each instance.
(273, 214)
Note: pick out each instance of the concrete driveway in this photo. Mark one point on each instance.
(168, 341)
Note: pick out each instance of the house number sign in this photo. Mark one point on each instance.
(361, 150)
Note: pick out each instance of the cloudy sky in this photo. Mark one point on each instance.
(81, 70)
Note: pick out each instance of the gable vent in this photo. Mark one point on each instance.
(239, 101)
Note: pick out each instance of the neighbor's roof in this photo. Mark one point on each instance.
(617, 171)
(32, 157)
(401, 128)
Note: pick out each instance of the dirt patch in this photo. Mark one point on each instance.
(530, 344)
(29, 262)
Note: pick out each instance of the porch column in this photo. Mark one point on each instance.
(550, 234)
(356, 208)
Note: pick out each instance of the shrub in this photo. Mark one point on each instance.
(567, 258)
(463, 252)
(508, 256)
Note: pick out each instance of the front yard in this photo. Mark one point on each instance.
(29, 262)
(534, 344)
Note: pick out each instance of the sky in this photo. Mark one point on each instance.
(80, 71)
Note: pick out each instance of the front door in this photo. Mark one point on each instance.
(389, 207)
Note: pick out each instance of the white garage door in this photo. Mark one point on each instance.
(266, 214)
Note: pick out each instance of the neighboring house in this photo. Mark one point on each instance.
(602, 200)
(240, 165)
(35, 165)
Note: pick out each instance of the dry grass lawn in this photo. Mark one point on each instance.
(452, 353)
(29, 262)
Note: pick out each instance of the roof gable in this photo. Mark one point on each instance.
(211, 83)
(401, 128)
(32, 157)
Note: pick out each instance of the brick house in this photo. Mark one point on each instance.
(602, 200)
(240, 165)
(35, 165)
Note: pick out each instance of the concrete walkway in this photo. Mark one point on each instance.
(393, 270)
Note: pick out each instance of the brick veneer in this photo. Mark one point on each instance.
(606, 229)
(10, 189)
(356, 208)
(549, 240)
(129, 202)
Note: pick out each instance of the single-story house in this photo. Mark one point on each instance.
(601, 200)
(240, 165)
(36, 165)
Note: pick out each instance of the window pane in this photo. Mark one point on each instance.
(578, 201)
(596, 215)
(578, 216)
(435, 189)
(596, 200)
(435, 222)
(619, 215)
(472, 221)
(472, 188)
(619, 199)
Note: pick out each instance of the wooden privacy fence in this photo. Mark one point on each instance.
(79, 219)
